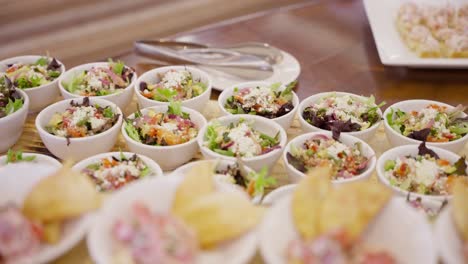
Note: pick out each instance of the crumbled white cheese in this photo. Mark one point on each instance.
(174, 78)
(426, 172)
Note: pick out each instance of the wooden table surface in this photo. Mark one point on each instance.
(334, 44)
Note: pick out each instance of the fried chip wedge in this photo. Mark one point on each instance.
(220, 217)
(197, 183)
(351, 207)
(63, 195)
(307, 201)
(460, 207)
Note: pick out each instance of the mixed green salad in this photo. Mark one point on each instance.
(424, 173)
(174, 85)
(239, 140)
(112, 173)
(345, 161)
(434, 123)
(82, 120)
(10, 99)
(162, 129)
(29, 75)
(266, 101)
(346, 113)
(101, 80)
(254, 183)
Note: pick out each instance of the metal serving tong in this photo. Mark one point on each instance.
(250, 60)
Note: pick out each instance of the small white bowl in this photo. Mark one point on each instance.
(397, 139)
(40, 96)
(154, 167)
(396, 216)
(295, 175)
(221, 165)
(306, 127)
(39, 159)
(14, 189)
(278, 194)
(197, 103)
(284, 121)
(411, 150)
(12, 125)
(448, 239)
(260, 124)
(157, 194)
(79, 148)
(168, 157)
(122, 98)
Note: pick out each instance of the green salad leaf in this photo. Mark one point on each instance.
(145, 172)
(262, 180)
(43, 61)
(74, 83)
(13, 106)
(211, 135)
(117, 67)
(132, 132)
(164, 94)
(107, 112)
(287, 93)
(17, 156)
(175, 108)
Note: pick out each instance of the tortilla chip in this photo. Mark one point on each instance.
(351, 207)
(307, 201)
(460, 207)
(52, 232)
(65, 194)
(220, 217)
(197, 183)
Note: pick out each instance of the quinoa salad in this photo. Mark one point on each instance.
(29, 75)
(239, 140)
(174, 85)
(434, 123)
(424, 173)
(348, 113)
(346, 161)
(82, 120)
(101, 80)
(162, 129)
(112, 173)
(266, 101)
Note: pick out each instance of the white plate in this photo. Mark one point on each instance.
(158, 194)
(397, 216)
(16, 180)
(448, 239)
(392, 50)
(286, 71)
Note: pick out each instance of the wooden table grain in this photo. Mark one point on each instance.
(334, 44)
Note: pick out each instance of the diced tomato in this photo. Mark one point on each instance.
(435, 139)
(402, 171)
(443, 162)
(251, 188)
(38, 230)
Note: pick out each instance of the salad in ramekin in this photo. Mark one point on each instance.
(421, 171)
(271, 100)
(79, 128)
(349, 113)
(111, 80)
(114, 170)
(162, 128)
(349, 158)
(162, 85)
(29, 75)
(439, 124)
(82, 120)
(239, 139)
(14, 105)
(226, 171)
(37, 76)
(257, 140)
(167, 134)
